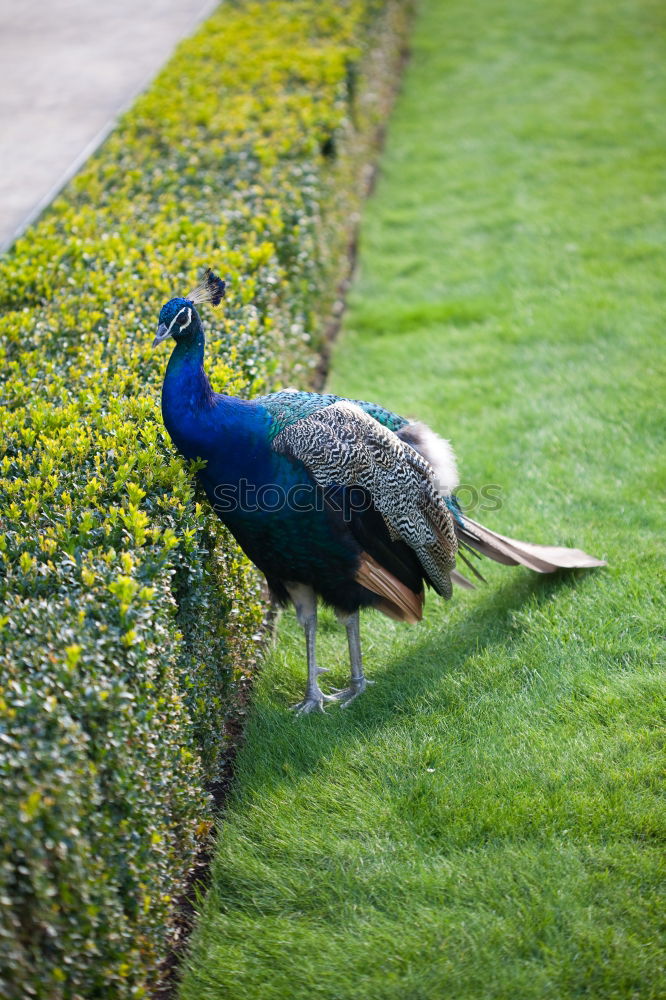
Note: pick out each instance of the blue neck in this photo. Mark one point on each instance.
(231, 434)
(187, 395)
(186, 365)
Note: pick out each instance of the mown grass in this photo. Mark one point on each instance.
(486, 821)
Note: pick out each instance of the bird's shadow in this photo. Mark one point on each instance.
(298, 747)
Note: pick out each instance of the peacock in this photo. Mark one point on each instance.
(331, 498)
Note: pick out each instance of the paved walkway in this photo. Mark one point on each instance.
(67, 69)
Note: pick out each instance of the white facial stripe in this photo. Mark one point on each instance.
(185, 325)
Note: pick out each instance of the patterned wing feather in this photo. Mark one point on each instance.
(291, 405)
(342, 444)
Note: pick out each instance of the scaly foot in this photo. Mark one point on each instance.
(347, 695)
(313, 702)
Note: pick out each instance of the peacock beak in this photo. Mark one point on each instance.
(162, 334)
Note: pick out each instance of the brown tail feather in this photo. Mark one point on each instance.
(510, 551)
(399, 601)
(461, 580)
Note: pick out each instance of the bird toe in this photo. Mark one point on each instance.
(345, 696)
(311, 703)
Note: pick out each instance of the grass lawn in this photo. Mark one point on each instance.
(486, 820)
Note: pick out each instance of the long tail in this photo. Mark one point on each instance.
(511, 552)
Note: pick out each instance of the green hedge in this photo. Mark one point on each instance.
(128, 615)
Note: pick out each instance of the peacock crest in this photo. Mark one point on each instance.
(211, 289)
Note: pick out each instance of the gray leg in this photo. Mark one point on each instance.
(358, 682)
(305, 602)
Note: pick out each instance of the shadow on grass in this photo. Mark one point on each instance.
(280, 746)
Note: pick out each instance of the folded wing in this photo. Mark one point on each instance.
(342, 445)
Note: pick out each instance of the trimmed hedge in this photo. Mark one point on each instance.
(128, 614)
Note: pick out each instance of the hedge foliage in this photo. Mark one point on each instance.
(128, 615)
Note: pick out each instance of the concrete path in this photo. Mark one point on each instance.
(67, 69)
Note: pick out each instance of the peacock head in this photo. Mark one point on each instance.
(179, 317)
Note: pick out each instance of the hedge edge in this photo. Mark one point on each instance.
(128, 615)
